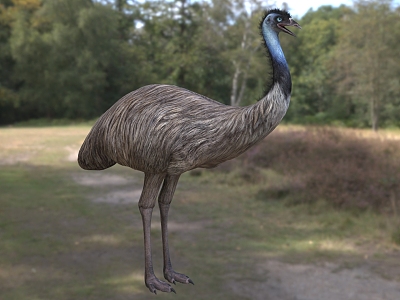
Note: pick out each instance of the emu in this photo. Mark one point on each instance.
(165, 130)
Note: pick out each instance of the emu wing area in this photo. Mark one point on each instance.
(162, 129)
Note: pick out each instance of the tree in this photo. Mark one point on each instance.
(314, 98)
(368, 64)
(68, 62)
(75, 58)
(9, 98)
(181, 46)
(243, 55)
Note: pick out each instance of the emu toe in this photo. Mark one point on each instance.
(154, 285)
(174, 277)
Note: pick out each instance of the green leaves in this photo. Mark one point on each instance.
(75, 58)
(369, 65)
(64, 67)
(345, 67)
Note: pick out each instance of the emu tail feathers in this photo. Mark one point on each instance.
(91, 156)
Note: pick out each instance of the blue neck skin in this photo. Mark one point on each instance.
(280, 67)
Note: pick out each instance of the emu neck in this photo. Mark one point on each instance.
(263, 116)
(281, 74)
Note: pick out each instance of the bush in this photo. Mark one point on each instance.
(329, 164)
(396, 236)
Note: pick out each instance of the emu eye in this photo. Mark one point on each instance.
(279, 19)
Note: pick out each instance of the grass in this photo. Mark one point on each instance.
(55, 243)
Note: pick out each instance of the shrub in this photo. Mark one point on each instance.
(339, 166)
(396, 236)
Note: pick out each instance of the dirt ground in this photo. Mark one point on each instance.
(323, 282)
(277, 280)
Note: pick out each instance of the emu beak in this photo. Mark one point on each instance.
(290, 23)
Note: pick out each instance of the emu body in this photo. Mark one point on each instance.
(170, 130)
(164, 131)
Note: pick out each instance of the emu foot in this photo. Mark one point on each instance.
(174, 277)
(155, 284)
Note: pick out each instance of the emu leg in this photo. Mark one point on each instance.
(147, 201)
(164, 200)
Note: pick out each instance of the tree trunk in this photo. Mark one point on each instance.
(374, 115)
(234, 98)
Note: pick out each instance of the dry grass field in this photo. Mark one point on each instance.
(310, 213)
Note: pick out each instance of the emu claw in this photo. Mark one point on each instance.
(174, 277)
(154, 284)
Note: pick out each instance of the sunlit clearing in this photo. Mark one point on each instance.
(132, 283)
(341, 246)
(107, 239)
(330, 245)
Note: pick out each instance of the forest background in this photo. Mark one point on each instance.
(72, 59)
(311, 212)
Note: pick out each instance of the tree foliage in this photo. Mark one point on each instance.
(368, 64)
(75, 58)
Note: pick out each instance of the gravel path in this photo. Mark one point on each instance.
(309, 282)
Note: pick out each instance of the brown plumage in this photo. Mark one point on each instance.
(165, 130)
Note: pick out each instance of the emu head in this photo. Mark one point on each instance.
(277, 19)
